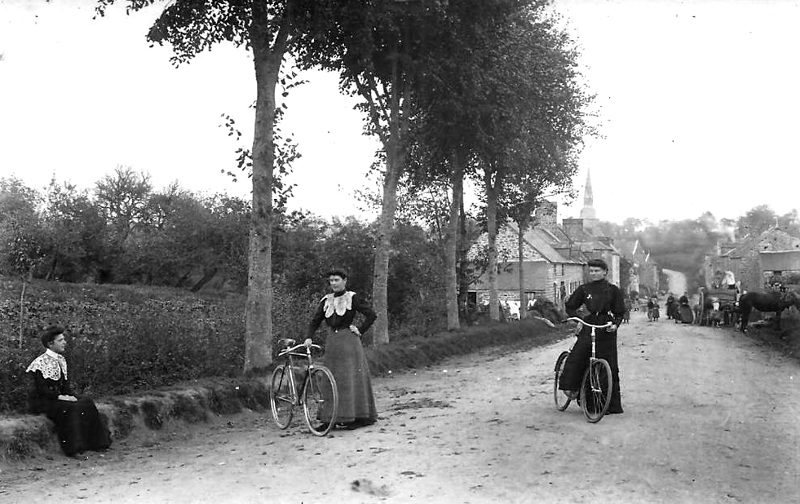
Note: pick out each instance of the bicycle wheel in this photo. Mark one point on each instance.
(281, 399)
(320, 401)
(596, 390)
(562, 400)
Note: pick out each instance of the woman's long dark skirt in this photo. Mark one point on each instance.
(578, 361)
(345, 357)
(78, 425)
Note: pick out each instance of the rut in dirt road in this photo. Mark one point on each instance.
(709, 417)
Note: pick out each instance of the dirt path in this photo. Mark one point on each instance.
(710, 416)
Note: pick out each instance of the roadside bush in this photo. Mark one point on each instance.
(419, 351)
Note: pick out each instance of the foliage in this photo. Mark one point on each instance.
(77, 241)
(125, 233)
(21, 235)
(422, 349)
(121, 339)
(762, 217)
(122, 198)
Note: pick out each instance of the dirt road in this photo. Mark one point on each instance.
(710, 416)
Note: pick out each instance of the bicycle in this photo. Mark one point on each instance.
(596, 385)
(318, 394)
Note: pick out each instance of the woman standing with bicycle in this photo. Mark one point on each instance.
(605, 303)
(344, 353)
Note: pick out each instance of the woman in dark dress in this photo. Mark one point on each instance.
(603, 300)
(77, 420)
(344, 353)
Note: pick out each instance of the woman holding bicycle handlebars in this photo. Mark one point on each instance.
(344, 353)
(605, 303)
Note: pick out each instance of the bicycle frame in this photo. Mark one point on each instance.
(592, 357)
(289, 353)
(597, 374)
(316, 389)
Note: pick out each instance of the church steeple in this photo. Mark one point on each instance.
(588, 197)
(588, 213)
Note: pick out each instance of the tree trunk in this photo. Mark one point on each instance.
(451, 243)
(491, 225)
(463, 248)
(523, 303)
(380, 277)
(258, 310)
(22, 311)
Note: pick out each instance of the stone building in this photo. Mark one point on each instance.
(544, 269)
(782, 266)
(744, 258)
(553, 254)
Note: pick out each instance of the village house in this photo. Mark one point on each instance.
(751, 260)
(554, 257)
(781, 266)
(544, 269)
(579, 239)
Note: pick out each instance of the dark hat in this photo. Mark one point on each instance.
(338, 272)
(598, 263)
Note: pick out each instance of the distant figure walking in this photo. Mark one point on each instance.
(652, 309)
(686, 313)
(626, 319)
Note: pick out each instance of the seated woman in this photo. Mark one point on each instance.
(77, 420)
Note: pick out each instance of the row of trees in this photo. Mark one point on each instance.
(486, 89)
(123, 231)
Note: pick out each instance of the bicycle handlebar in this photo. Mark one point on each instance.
(289, 349)
(581, 321)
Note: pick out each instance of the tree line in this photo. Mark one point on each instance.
(486, 90)
(125, 231)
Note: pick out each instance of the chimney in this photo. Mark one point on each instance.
(573, 227)
(547, 214)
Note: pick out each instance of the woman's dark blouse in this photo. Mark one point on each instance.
(46, 391)
(602, 299)
(337, 322)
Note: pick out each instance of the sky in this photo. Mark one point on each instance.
(696, 102)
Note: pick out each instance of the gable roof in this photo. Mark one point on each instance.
(749, 242)
(531, 242)
(542, 246)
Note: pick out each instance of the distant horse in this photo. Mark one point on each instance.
(767, 302)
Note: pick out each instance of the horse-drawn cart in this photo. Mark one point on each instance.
(718, 306)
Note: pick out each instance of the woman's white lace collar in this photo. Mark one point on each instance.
(51, 364)
(338, 304)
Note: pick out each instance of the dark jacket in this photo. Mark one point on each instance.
(602, 299)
